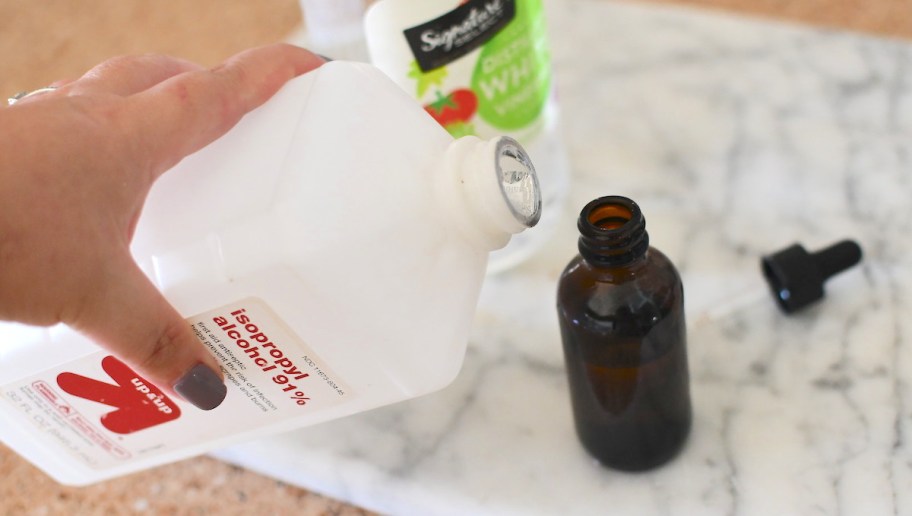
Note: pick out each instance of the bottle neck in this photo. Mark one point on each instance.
(489, 189)
(612, 233)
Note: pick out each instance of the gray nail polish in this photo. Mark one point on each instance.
(201, 387)
(327, 59)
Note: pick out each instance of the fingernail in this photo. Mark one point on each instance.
(201, 387)
(327, 59)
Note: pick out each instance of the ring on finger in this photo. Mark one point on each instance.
(23, 94)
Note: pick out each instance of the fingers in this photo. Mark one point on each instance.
(130, 318)
(122, 76)
(186, 112)
(127, 75)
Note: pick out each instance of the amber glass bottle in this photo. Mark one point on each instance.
(621, 309)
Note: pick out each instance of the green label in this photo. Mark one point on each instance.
(512, 77)
(502, 86)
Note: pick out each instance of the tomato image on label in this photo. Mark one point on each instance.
(139, 404)
(454, 111)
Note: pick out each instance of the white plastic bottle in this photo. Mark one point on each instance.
(329, 250)
(335, 28)
(480, 67)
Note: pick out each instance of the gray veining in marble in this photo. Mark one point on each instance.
(737, 137)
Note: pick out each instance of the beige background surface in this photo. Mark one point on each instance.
(45, 40)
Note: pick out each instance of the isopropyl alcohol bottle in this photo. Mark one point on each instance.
(329, 251)
(620, 305)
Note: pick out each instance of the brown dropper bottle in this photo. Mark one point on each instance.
(621, 310)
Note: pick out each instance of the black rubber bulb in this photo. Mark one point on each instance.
(796, 277)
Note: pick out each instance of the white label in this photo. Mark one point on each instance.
(103, 413)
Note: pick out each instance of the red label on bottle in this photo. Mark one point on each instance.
(102, 414)
(139, 404)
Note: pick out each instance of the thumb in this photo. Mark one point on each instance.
(128, 316)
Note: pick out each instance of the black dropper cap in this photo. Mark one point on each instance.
(797, 277)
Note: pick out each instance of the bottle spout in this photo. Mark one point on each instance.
(518, 181)
(490, 189)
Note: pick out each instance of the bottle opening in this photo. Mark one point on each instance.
(518, 182)
(609, 216)
(612, 231)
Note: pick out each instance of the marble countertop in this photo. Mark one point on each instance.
(43, 45)
(737, 138)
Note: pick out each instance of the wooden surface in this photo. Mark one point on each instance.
(891, 18)
(46, 40)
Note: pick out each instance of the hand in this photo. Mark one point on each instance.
(76, 165)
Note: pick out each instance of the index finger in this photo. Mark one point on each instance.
(185, 113)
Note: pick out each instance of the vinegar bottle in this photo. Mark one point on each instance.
(620, 304)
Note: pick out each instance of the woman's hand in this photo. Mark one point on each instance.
(76, 165)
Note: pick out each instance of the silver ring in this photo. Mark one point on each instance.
(23, 94)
